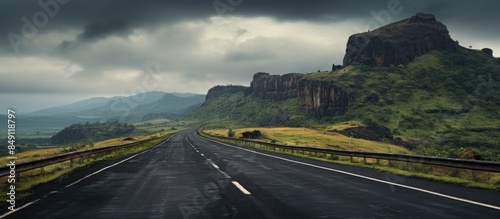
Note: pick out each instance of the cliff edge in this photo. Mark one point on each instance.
(399, 42)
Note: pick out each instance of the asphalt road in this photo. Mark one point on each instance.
(193, 177)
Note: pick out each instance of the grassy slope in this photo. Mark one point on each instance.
(315, 138)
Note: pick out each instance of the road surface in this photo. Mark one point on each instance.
(189, 176)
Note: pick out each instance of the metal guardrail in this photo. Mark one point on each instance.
(487, 166)
(34, 164)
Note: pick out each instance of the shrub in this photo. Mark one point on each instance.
(230, 133)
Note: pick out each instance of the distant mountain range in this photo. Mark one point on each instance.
(139, 108)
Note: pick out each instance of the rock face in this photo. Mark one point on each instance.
(399, 42)
(218, 91)
(322, 98)
(488, 52)
(275, 87)
(318, 98)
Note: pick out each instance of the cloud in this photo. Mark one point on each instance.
(254, 50)
(96, 31)
(99, 30)
(99, 47)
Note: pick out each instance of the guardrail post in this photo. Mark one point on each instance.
(378, 161)
(350, 158)
(71, 163)
(364, 160)
(474, 175)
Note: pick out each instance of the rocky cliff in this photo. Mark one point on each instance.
(317, 97)
(275, 87)
(400, 42)
(322, 98)
(219, 91)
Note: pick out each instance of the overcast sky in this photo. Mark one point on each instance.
(54, 52)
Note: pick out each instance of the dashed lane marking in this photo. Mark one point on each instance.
(241, 188)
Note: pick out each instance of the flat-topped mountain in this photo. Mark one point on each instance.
(399, 42)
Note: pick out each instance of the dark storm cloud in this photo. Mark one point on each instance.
(96, 31)
(100, 18)
(96, 17)
(98, 46)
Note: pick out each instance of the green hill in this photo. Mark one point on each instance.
(91, 132)
(236, 110)
(444, 98)
(438, 103)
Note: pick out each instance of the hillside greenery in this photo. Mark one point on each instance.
(91, 132)
(443, 103)
(237, 110)
(442, 100)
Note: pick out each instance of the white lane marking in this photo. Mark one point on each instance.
(113, 165)
(241, 188)
(116, 164)
(105, 168)
(366, 177)
(218, 169)
(18, 209)
(213, 164)
(224, 174)
(210, 161)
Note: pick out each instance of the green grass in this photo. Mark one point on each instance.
(344, 125)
